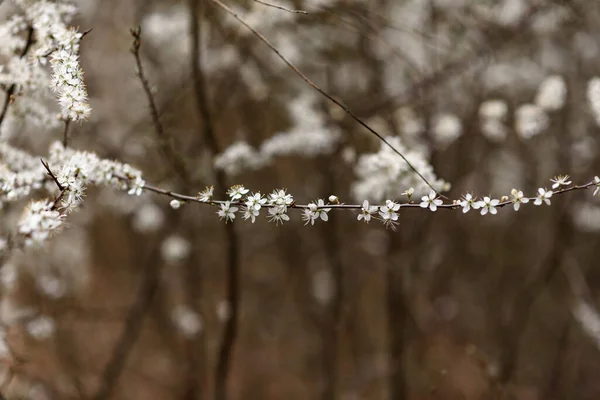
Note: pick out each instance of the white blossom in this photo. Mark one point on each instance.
(62, 45)
(517, 198)
(175, 249)
(559, 181)
(51, 286)
(310, 135)
(237, 158)
(175, 204)
(488, 205)
(280, 197)
(315, 211)
(383, 174)
(278, 214)
(593, 95)
(530, 120)
(187, 321)
(366, 211)
(227, 211)
(38, 221)
(389, 212)
(431, 201)
(237, 192)
(552, 93)
(250, 213)
(597, 183)
(468, 202)
(41, 327)
(543, 196)
(446, 129)
(408, 192)
(493, 109)
(255, 201)
(206, 194)
(148, 218)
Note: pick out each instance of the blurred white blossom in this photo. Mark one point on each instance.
(148, 218)
(593, 95)
(530, 120)
(41, 327)
(384, 174)
(175, 249)
(552, 93)
(186, 320)
(446, 129)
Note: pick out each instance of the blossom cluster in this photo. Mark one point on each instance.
(39, 220)
(309, 137)
(383, 174)
(61, 44)
(67, 173)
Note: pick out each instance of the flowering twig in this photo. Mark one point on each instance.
(281, 8)
(279, 202)
(321, 91)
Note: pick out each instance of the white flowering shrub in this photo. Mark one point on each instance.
(407, 158)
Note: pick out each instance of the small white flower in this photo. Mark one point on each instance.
(389, 212)
(334, 199)
(255, 201)
(322, 210)
(175, 204)
(309, 214)
(408, 192)
(251, 213)
(281, 198)
(315, 211)
(543, 197)
(227, 211)
(597, 183)
(236, 192)
(206, 194)
(560, 181)
(468, 202)
(278, 214)
(430, 201)
(366, 211)
(517, 198)
(488, 205)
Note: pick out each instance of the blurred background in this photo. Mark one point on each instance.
(136, 300)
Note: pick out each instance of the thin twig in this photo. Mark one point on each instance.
(281, 8)
(163, 138)
(11, 90)
(62, 188)
(448, 206)
(321, 91)
(51, 175)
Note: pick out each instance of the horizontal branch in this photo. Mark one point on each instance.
(239, 200)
